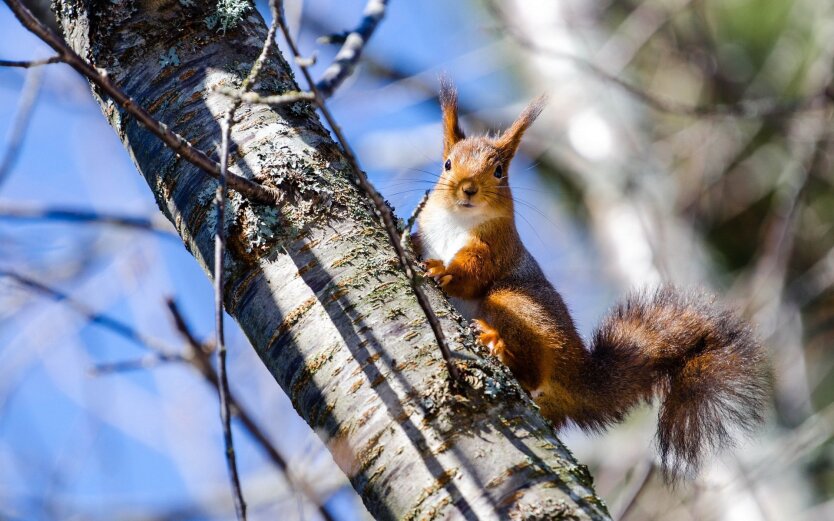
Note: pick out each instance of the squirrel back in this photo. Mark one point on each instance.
(702, 362)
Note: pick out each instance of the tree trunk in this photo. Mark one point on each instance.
(317, 288)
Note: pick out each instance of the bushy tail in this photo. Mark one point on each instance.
(704, 363)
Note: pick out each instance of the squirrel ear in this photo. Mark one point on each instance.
(508, 141)
(449, 105)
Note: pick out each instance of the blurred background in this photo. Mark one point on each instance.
(685, 140)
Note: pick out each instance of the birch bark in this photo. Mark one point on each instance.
(315, 285)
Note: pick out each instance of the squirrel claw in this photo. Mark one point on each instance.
(489, 336)
(436, 270)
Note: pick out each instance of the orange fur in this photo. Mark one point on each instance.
(704, 363)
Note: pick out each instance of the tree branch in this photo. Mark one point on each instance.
(198, 358)
(348, 56)
(32, 63)
(321, 296)
(17, 211)
(383, 212)
(101, 79)
(25, 107)
(200, 355)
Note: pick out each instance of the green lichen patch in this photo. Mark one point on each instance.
(169, 58)
(228, 15)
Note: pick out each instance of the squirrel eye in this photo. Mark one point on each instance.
(448, 165)
(499, 172)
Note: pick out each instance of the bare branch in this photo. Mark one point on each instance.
(354, 42)
(640, 484)
(409, 224)
(32, 63)
(383, 211)
(94, 317)
(16, 211)
(100, 78)
(25, 107)
(198, 357)
(254, 97)
(219, 253)
(146, 362)
(200, 360)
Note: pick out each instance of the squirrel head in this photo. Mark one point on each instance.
(475, 169)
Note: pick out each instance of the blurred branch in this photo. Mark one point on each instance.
(779, 237)
(382, 208)
(633, 494)
(17, 211)
(32, 63)
(749, 109)
(348, 56)
(176, 142)
(25, 107)
(200, 356)
(94, 317)
(146, 362)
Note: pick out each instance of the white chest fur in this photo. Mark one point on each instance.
(443, 232)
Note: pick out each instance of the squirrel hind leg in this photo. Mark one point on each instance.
(491, 338)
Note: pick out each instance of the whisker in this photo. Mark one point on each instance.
(426, 172)
(526, 204)
(416, 190)
(534, 165)
(527, 221)
(425, 181)
(520, 188)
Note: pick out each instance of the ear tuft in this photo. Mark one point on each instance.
(508, 141)
(452, 132)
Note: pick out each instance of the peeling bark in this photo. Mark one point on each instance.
(315, 285)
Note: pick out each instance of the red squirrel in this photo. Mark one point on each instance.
(700, 360)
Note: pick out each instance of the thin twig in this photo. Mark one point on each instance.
(200, 355)
(354, 42)
(92, 316)
(254, 97)
(16, 211)
(25, 108)
(32, 63)
(636, 491)
(219, 253)
(749, 109)
(146, 362)
(250, 189)
(409, 224)
(383, 211)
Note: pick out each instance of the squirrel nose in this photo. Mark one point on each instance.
(469, 189)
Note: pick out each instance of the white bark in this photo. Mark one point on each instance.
(316, 287)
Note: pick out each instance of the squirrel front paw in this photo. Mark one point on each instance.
(437, 270)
